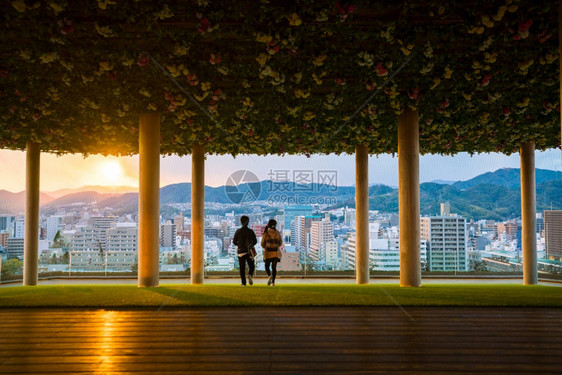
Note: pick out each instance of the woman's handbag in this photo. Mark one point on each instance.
(252, 252)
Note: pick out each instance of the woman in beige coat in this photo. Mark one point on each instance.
(271, 241)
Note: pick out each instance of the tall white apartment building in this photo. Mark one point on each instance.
(300, 233)
(349, 252)
(320, 233)
(122, 238)
(19, 229)
(384, 253)
(295, 233)
(6, 222)
(85, 239)
(446, 238)
(100, 225)
(122, 247)
(119, 254)
(54, 224)
(330, 251)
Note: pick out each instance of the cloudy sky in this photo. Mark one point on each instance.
(72, 171)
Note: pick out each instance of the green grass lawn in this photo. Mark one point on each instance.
(113, 296)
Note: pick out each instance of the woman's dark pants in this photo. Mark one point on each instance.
(273, 262)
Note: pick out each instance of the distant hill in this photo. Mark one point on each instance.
(122, 204)
(181, 193)
(444, 182)
(75, 199)
(493, 195)
(14, 203)
(508, 177)
(477, 202)
(97, 188)
(85, 197)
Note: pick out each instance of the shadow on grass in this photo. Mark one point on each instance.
(189, 295)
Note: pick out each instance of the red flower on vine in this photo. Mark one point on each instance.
(169, 97)
(204, 26)
(344, 10)
(444, 104)
(217, 95)
(215, 59)
(486, 80)
(524, 26)
(67, 29)
(293, 52)
(381, 70)
(192, 78)
(415, 94)
(142, 61)
(272, 47)
(544, 36)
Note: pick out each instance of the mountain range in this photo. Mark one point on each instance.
(492, 195)
(96, 188)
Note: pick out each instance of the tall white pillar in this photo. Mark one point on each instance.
(197, 214)
(149, 199)
(362, 213)
(31, 240)
(409, 198)
(528, 214)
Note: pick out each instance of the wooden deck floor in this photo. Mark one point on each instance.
(282, 340)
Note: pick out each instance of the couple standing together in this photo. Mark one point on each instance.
(271, 242)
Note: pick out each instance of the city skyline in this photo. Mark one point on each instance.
(75, 171)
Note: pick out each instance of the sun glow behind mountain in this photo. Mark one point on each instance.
(73, 171)
(112, 172)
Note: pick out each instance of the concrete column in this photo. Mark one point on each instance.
(149, 199)
(362, 213)
(31, 241)
(560, 57)
(528, 214)
(409, 198)
(197, 214)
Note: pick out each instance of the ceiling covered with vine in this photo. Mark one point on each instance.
(275, 77)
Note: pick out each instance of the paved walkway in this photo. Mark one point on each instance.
(282, 340)
(291, 280)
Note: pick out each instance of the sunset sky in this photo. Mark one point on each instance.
(73, 171)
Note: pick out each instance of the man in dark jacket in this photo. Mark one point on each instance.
(245, 238)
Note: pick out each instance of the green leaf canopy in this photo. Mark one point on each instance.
(274, 77)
